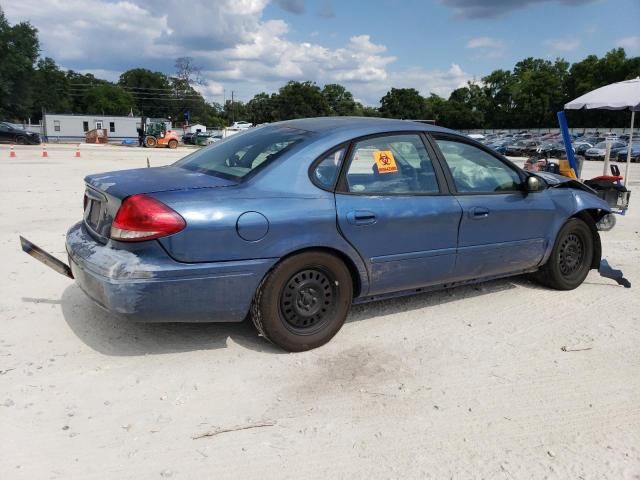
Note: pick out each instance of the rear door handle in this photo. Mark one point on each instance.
(361, 217)
(479, 212)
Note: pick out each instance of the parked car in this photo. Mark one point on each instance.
(516, 149)
(476, 136)
(581, 147)
(635, 153)
(187, 138)
(598, 152)
(293, 222)
(500, 147)
(241, 125)
(19, 136)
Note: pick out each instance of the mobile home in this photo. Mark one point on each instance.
(68, 127)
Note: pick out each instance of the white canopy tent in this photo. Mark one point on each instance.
(617, 96)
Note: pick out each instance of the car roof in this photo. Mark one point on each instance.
(373, 124)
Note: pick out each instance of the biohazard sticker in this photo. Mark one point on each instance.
(385, 161)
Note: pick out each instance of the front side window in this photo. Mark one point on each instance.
(391, 164)
(476, 171)
(326, 171)
(242, 153)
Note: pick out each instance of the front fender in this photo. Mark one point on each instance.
(581, 203)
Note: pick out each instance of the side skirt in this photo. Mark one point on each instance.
(433, 288)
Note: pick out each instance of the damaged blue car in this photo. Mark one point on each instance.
(293, 222)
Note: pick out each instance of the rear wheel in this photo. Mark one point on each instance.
(173, 144)
(303, 301)
(21, 140)
(571, 257)
(150, 141)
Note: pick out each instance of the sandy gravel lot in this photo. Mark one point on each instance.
(466, 383)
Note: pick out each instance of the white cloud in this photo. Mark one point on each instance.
(630, 44)
(487, 47)
(484, 42)
(440, 82)
(562, 45)
(237, 48)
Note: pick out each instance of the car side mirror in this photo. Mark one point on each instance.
(532, 184)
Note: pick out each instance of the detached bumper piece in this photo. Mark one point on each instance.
(606, 271)
(46, 258)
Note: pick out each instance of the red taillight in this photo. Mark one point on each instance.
(143, 218)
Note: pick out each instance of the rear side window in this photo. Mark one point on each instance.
(394, 164)
(476, 171)
(326, 171)
(238, 155)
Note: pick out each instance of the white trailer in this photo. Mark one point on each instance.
(68, 127)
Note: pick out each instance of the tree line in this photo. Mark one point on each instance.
(528, 96)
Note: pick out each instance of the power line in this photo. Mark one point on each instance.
(125, 87)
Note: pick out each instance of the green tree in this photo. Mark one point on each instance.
(109, 99)
(51, 91)
(260, 108)
(299, 100)
(403, 103)
(152, 92)
(498, 88)
(19, 48)
(339, 100)
(538, 91)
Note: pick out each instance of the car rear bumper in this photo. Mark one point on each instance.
(147, 285)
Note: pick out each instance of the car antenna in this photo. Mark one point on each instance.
(148, 164)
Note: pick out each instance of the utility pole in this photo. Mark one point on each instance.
(233, 108)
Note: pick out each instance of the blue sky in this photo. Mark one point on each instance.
(369, 46)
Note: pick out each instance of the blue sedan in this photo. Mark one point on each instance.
(293, 222)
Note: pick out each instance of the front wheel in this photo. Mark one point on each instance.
(303, 301)
(570, 259)
(173, 144)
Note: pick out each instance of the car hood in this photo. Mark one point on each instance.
(554, 180)
(123, 183)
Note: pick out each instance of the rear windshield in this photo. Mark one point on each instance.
(237, 156)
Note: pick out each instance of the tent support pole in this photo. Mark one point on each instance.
(626, 168)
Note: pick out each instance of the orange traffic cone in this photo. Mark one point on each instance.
(78, 151)
(12, 153)
(44, 151)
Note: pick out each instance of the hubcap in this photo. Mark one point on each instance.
(571, 254)
(307, 300)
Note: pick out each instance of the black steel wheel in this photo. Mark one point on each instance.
(308, 300)
(571, 257)
(570, 254)
(303, 302)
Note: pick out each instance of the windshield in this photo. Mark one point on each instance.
(239, 155)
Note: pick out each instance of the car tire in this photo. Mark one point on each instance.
(303, 302)
(21, 141)
(571, 257)
(150, 141)
(173, 144)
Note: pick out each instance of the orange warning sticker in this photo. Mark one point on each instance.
(385, 161)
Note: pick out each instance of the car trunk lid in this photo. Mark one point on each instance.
(106, 191)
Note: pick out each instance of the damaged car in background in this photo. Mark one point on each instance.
(293, 222)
